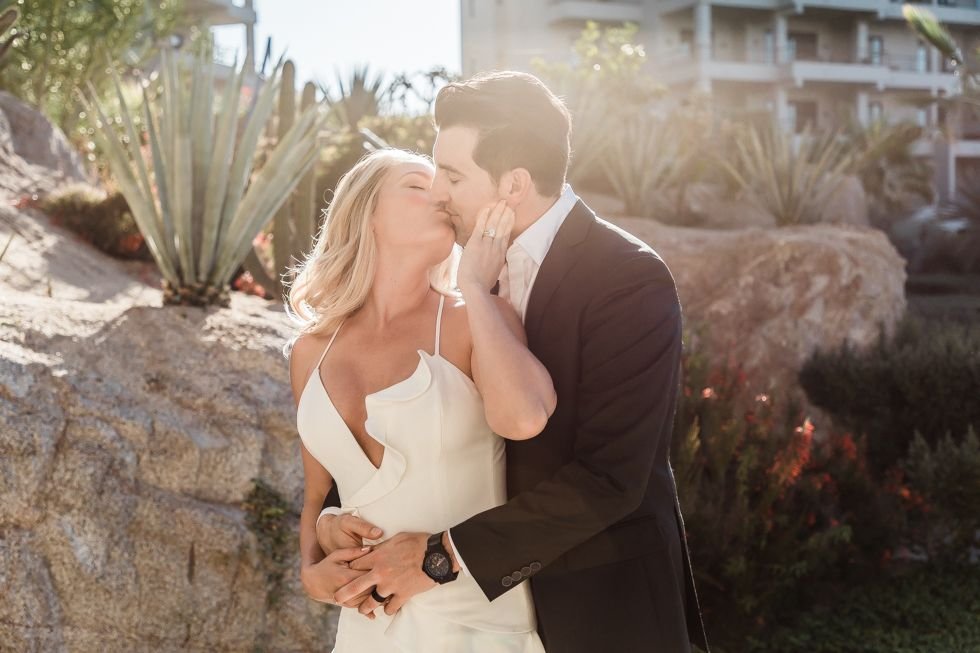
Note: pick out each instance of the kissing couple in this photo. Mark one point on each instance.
(485, 376)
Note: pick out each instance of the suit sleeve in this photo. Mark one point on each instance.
(625, 403)
(332, 500)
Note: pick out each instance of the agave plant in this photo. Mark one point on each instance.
(883, 159)
(360, 96)
(646, 156)
(792, 180)
(198, 204)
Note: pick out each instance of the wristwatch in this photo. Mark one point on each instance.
(437, 564)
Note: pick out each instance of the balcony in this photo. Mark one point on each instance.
(954, 12)
(220, 12)
(602, 11)
(887, 72)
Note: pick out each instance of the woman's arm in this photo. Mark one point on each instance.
(320, 575)
(517, 390)
(518, 393)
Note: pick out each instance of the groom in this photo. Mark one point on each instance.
(593, 521)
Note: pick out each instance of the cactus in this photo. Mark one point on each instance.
(282, 227)
(296, 221)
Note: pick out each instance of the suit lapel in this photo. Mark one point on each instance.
(557, 262)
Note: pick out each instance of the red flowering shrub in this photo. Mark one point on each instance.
(776, 510)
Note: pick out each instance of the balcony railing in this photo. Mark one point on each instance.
(603, 11)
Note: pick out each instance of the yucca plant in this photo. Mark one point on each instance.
(198, 205)
(791, 180)
(882, 158)
(360, 95)
(645, 157)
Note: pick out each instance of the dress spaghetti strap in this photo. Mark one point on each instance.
(316, 369)
(442, 301)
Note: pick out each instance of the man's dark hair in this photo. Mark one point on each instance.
(521, 124)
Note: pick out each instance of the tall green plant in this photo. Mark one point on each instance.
(196, 204)
(790, 176)
(358, 96)
(882, 158)
(646, 156)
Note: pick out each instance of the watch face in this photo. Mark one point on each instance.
(437, 565)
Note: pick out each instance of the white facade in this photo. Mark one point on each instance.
(804, 60)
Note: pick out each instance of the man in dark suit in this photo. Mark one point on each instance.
(593, 520)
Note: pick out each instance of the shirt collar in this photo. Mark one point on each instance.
(536, 240)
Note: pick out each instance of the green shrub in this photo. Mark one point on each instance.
(769, 509)
(943, 494)
(926, 610)
(103, 220)
(925, 377)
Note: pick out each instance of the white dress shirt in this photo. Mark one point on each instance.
(523, 260)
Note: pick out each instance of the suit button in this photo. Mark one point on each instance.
(506, 581)
(516, 575)
(535, 567)
(526, 571)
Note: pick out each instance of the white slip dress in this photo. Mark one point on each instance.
(442, 464)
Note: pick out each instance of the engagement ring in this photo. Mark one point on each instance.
(490, 232)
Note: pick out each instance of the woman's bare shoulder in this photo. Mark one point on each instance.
(303, 355)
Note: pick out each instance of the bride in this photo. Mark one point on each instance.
(403, 398)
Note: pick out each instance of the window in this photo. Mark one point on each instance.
(769, 45)
(921, 58)
(922, 117)
(802, 46)
(875, 48)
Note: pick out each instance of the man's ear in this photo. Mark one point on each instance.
(515, 186)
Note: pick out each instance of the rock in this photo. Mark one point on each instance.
(711, 208)
(35, 156)
(129, 438)
(771, 296)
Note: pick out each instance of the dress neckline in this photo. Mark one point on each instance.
(368, 397)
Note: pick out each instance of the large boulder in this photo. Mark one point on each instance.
(770, 297)
(35, 156)
(131, 439)
(130, 436)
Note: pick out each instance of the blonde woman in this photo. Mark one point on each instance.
(404, 394)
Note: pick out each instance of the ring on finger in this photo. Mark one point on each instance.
(377, 597)
(490, 232)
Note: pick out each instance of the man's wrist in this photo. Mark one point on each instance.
(448, 545)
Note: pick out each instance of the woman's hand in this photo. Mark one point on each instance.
(483, 257)
(344, 531)
(322, 580)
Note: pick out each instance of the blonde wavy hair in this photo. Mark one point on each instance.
(334, 279)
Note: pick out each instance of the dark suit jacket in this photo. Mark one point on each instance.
(595, 487)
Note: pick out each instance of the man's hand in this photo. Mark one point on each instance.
(344, 531)
(483, 257)
(322, 580)
(395, 568)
